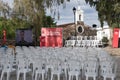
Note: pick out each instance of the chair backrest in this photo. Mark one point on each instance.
(23, 64)
(91, 67)
(7, 63)
(38, 65)
(108, 68)
(74, 65)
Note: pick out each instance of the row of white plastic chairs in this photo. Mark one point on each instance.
(83, 38)
(71, 62)
(83, 43)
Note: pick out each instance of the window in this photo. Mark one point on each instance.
(80, 17)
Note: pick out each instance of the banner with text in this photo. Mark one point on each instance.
(51, 37)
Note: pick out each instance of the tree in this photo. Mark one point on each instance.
(34, 12)
(108, 11)
(48, 21)
(4, 9)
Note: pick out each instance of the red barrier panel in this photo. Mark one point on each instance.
(116, 37)
(42, 41)
(53, 37)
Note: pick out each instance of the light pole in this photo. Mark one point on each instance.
(74, 11)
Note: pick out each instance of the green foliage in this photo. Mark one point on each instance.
(105, 40)
(48, 21)
(26, 13)
(10, 25)
(108, 11)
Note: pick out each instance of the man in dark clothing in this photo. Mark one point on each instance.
(22, 42)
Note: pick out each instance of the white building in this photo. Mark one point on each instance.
(101, 32)
(105, 32)
(79, 15)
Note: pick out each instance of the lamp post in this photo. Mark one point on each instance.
(74, 11)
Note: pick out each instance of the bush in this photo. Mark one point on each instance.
(105, 40)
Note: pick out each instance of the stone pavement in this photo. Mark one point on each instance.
(115, 52)
(112, 51)
(118, 67)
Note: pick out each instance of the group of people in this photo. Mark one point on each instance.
(7, 45)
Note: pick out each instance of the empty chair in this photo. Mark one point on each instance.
(108, 70)
(83, 43)
(7, 67)
(22, 67)
(70, 43)
(91, 69)
(56, 68)
(39, 67)
(78, 43)
(74, 69)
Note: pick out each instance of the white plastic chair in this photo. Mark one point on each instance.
(74, 69)
(108, 70)
(56, 69)
(22, 67)
(78, 43)
(91, 69)
(7, 68)
(39, 68)
(70, 43)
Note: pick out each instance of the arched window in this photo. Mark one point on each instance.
(80, 17)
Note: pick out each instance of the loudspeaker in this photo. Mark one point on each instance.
(80, 29)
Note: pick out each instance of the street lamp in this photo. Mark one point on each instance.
(74, 11)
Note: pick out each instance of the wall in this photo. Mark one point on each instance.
(105, 32)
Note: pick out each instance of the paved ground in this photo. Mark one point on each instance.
(118, 67)
(116, 53)
(113, 51)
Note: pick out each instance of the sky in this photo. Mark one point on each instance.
(67, 16)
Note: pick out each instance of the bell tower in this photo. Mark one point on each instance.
(79, 15)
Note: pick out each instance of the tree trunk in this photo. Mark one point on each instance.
(111, 36)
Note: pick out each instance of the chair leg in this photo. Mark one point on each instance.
(72, 77)
(18, 75)
(8, 75)
(24, 76)
(36, 75)
(112, 78)
(2, 75)
(94, 78)
(51, 76)
(39, 76)
(104, 78)
(42, 76)
(69, 77)
(65, 74)
(33, 73)
(76, 77)
(86, 77)
(58, 76)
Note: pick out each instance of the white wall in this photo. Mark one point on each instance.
(79, 11)
(105, 32)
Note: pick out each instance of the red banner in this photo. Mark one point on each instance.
(51, 37)
(4, 36)
(51, 32)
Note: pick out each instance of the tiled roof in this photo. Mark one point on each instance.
(69, 30)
